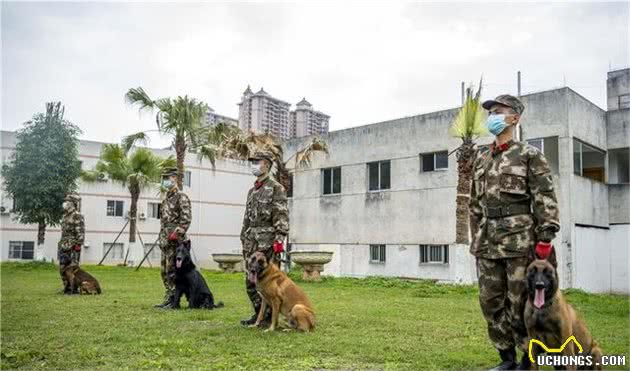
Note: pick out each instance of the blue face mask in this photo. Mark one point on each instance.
(167, 183)
(496, 124)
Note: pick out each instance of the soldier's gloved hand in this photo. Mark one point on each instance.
(173, 236)
(543, 249)
(278, 247)
(76, 247)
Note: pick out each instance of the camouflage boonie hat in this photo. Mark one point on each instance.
(506, 100)
(261, 155)
(169, 171)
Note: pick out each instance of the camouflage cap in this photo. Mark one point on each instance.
(261, 155)
(506, 100)
(169, 171)
(73, 197)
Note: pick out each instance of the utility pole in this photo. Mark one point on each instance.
(463, 94)
(518, 81)
(519, 129)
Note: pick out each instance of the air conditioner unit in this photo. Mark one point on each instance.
(4, 210)
(142, 216)
(102, 177)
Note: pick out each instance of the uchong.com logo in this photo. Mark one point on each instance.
(548, 358)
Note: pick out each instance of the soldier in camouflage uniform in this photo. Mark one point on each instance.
(72, 236)
(513, 212)
(174, 222)
(265, 224)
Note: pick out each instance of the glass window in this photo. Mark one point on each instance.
(434, 161)
(187, 178)
(290, 187)
(434, 254)
(377, 254)
(114, 208)
(116, 252)
(385, 175)
(155, 210)
(589, 161)
(373, 176)
(21, 250)
(428, 162)
(336, 180)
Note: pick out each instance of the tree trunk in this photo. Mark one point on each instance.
(134, 189)
(465, 157)
(41, 232)
(180, 152)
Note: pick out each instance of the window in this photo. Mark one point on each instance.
(187, 178)
(538, 143)
(378, 175)
(434, 161)
(433, 254)
(116, 252)
(21, 250)
(155, 210)
(377, 254)
(588, 161)
(331, 180)
(624, 101)
(156, 254)
(290, 187)
(114, 208)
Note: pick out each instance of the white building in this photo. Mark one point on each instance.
(218, 203)
(262, 113)
(213, 118)
(306, 121)
(384, 199)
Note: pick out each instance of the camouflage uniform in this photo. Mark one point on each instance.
(176, 217)
(72, 235)
(512, 207)
(266, 220)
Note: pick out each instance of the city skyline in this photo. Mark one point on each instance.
(372, 62)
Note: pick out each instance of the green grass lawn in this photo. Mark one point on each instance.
(372, 323)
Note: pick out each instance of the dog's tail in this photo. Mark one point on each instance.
(304, 317)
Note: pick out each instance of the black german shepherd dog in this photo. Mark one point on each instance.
(189, 282)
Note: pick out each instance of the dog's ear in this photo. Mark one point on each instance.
(187, 244)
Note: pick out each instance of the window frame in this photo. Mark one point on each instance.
(434, 156)
(110, 256)
(13, 246)
(380, 252)
(115, 208)
(150, 210)
(581, 152)
(187, 181)
(331, 171)
(380, 164)
(428, 251)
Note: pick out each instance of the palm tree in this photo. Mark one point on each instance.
(137, 170)
(468, 126)
(181, 117)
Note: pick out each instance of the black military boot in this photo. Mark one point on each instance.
(252, 320)
(168, 300)
(266, 322)
(508, 360)
(525, 362)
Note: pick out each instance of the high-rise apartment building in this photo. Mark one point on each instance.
(306, 121)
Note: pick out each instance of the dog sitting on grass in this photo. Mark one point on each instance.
(80, 280)
(189, 282)
(281, 293)
(551, 320)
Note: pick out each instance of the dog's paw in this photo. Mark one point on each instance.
(253, 325)
(270, 329)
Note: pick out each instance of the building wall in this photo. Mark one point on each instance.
(217, 196)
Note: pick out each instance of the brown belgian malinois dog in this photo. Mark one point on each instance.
(281, 293)
(78, 278)
(551, 320)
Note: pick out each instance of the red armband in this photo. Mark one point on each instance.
(278, 247)
(543, 249)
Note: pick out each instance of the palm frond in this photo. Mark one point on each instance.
(469, 123)
(208, 151)
(131, 140)
(137, 96)
(304, 156)
(90, 176)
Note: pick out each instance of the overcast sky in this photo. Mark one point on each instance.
(360, 62)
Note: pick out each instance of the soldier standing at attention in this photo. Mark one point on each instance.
(513, 212)
(72, 236)
(174, 222)
(265, 224)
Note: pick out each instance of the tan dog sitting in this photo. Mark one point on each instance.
(281, 293)
(78, 278)
(551, 320)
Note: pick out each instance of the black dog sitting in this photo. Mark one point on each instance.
(189, 282)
